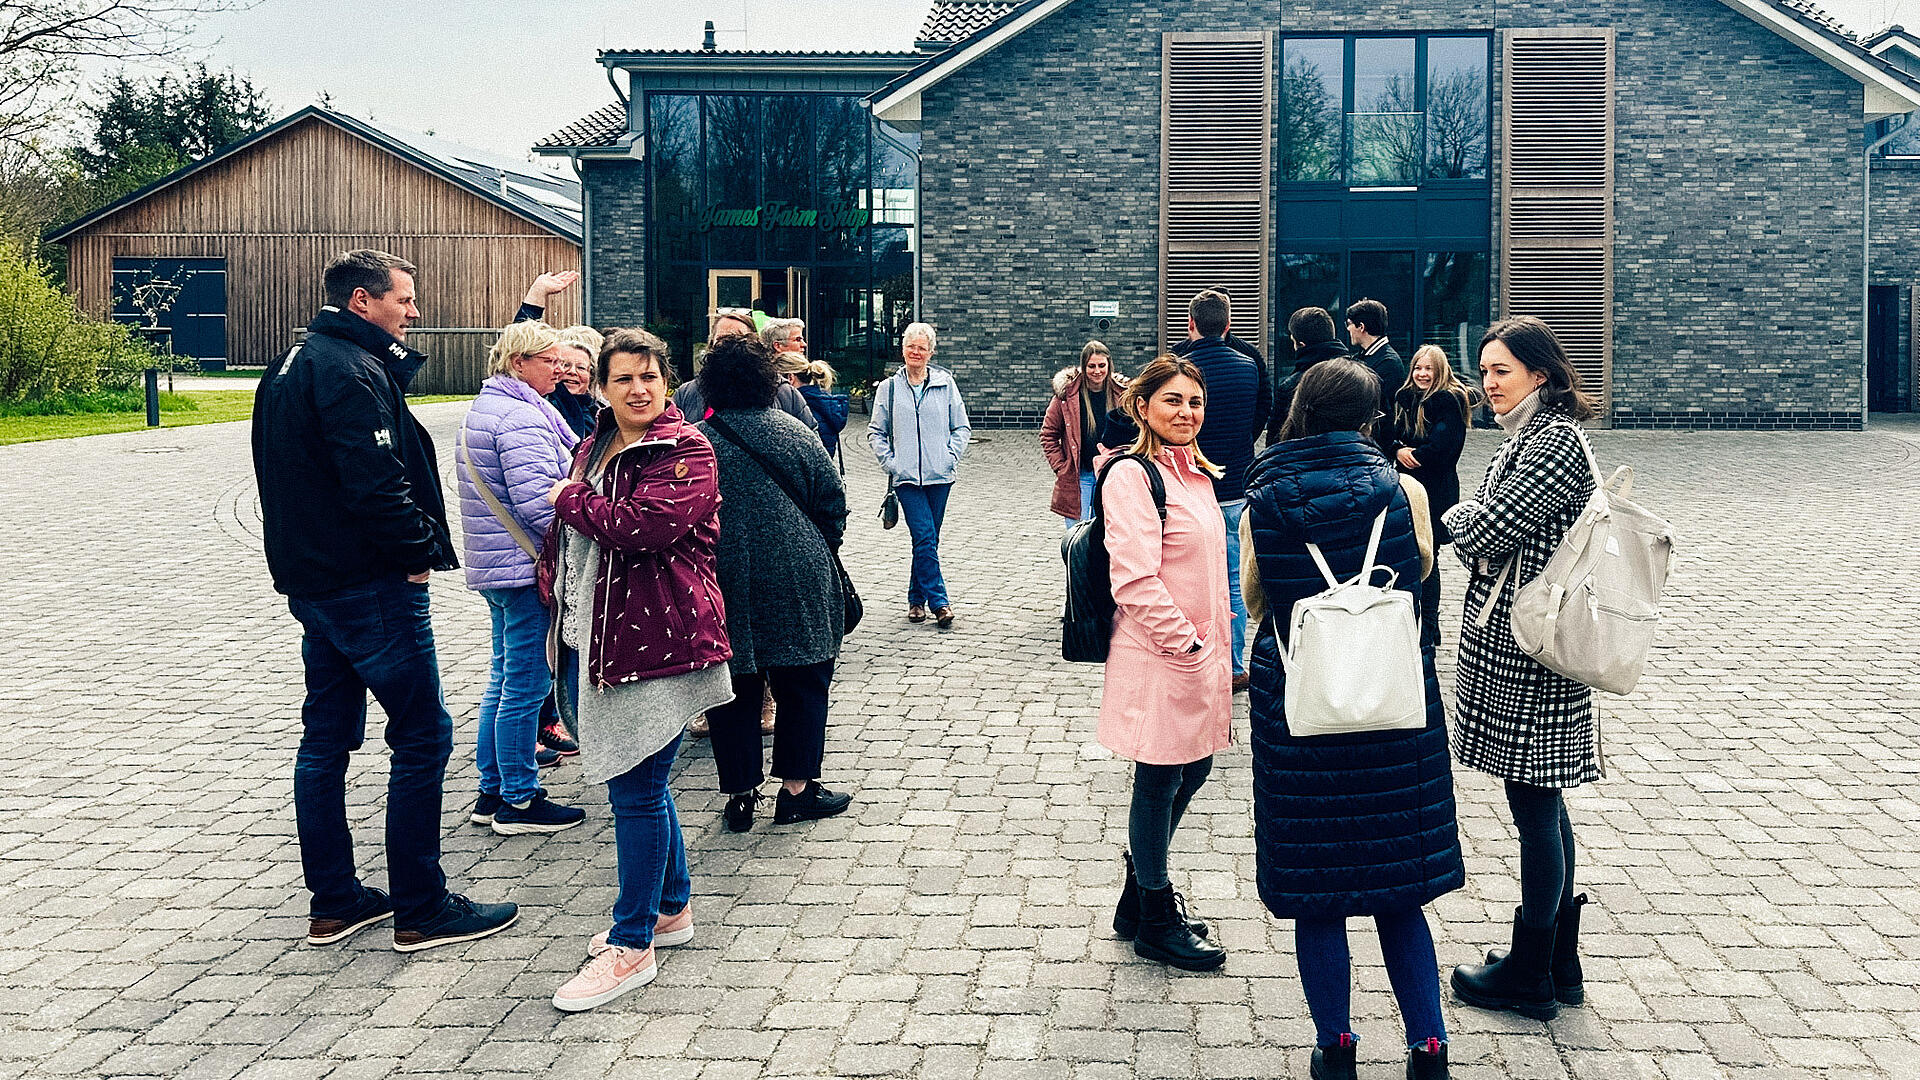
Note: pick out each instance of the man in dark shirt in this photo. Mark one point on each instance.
(354, 524)
(1311, 329)
(1367, 329)
(1237, 404)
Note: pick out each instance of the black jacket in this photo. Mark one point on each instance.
(1283, 394)
(1392, 370)
(1237, 404)
(1437, 451)
(349, 486)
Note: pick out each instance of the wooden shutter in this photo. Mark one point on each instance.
(1556, 193)
(1216, 139)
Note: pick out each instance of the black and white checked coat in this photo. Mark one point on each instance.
(1517, 719)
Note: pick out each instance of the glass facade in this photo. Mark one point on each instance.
(799, 205)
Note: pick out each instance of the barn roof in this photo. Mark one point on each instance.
(521, 188)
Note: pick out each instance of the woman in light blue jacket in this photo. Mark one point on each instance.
(919, 431)
(513, 446)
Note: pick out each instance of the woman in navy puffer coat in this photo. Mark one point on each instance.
(1355, 824)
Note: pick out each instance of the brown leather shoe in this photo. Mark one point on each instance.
(1242, 681)
(917, 613)
(374, 907)
(943, 616)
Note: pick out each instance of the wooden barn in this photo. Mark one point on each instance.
(227, 253)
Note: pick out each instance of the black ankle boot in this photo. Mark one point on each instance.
(1428, 1061)
(1568, 980)
(1165, 936)
(1335, 1062)
(1126, 913)
(1517, 982)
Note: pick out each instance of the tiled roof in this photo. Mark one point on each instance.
(604, 126)
(770, 54)
(949, 21)
(1809, 12)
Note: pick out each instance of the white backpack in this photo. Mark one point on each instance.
(1591, 613)
(1353, 657)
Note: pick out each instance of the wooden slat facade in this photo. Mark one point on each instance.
(280, 210)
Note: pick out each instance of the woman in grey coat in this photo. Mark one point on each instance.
(782, 514)
(1519, 721)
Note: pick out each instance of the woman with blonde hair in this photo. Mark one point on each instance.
(816, 385)
(1429, 430)
(1070, 432)
(513, 446)
(1168, 695)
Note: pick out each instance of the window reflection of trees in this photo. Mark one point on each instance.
(1310, 99)
(1393, 135)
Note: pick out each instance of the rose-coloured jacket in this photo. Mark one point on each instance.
(1164, 704)
(1061, 434)
(656, 599)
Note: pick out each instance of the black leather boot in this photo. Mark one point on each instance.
(1568, 981)
(1165, 936)
(1517, 982)
(1428, 1061)
(1335, 1062)
(1126, 913)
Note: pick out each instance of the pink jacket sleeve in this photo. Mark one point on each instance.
(1134, 559)
(1053, 436)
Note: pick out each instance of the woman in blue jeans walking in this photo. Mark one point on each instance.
(1346, 825)
(918, 432)
(631, 564)
(513, 445)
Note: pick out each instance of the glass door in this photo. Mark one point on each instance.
(800, 295)
(732, 288)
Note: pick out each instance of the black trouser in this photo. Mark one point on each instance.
(1430, 607)
(1546, 851)
(1160, 796)
(800, 726)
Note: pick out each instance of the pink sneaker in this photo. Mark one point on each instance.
(612, 973)
(668, 931)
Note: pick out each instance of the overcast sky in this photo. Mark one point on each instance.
(499, 75)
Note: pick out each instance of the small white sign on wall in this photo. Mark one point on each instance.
(1103, 309)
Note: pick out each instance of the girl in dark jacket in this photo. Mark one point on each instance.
(1429, 430)
(1353, 824)
(816, 385)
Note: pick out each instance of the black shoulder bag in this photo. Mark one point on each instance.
(855, 609)
(1086, 622)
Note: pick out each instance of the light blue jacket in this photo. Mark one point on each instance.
(520, 446)
(919, 440)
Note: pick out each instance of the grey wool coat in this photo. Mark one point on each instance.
(1518, 720)
(784, 605)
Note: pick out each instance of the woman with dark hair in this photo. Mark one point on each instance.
(1070, 432)
(629, 561)
(1168, 695)
(782, 515)
(1519, 721)
(1345, 825)
(1429, 430)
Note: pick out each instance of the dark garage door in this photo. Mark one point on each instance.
(185, 296)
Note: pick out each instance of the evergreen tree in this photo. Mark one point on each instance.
(143, 129)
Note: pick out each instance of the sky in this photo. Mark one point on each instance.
(499, 76)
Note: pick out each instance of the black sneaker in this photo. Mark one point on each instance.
(460, 919)
(812, 804)
(542, 815)
(374, 906)
(484, 808)
(544, 757)
(739, 812)
(555, 738)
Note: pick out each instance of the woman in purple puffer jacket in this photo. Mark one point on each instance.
(513, 446)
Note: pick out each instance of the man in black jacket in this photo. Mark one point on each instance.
(1311, 329)
(1367, 329)
(354, 524)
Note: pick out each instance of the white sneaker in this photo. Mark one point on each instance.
(606, 976)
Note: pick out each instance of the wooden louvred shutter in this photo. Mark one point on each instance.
(1216, 138)
(1556, 195)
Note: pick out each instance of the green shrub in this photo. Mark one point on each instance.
(48, 348)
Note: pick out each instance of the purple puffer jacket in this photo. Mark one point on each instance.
(521, 445)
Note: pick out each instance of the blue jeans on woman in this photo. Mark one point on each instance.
(1088, 481)
(1320, 948)
(925, 508)
(517, 685)
(652, 854)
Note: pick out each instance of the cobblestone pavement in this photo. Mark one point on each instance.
(1752, 855)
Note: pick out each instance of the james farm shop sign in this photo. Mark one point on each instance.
(779, 215)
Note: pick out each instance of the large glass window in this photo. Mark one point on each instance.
(1384, 124)
(1376, 112)
(1904, 145)
(1306, 279)
(1456, 304)
(1312, 89)
(1433, 297)
(1456, 108)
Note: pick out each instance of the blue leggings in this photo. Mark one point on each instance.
(1320, 947)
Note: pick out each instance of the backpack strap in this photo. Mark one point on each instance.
(1155, 485)
(1366, 564)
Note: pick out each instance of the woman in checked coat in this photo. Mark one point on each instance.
(1517, 720)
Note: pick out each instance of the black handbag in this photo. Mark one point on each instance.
(1086, 623)
(855, 610)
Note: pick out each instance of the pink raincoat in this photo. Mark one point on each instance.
(1164, 704)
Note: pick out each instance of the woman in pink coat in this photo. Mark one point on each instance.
(1169, 675)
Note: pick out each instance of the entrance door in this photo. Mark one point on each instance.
(185, 296)
(1386, 276)
(800, 295)
(1884, 392)
(732, 288)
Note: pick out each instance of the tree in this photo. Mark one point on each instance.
(143, 129)
(44, 42)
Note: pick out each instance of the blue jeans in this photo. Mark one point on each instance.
(649, 848)
(925, 508)
(1087, 482)
(1231, 512)
(379, 637)
(1320, 947)
(518, 682)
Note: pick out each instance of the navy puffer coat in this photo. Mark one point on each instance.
(1354, 824)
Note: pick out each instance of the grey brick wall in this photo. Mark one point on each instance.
(1737, 217)
(1896, 250)
(618, 193)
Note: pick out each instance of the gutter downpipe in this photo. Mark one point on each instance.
(1866, 271)
(880, 128)
(586, 239)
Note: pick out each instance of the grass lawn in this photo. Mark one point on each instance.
(210, 407)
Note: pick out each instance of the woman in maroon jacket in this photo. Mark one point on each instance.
(630, 564)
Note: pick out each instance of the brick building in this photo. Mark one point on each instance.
(1679, 186)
